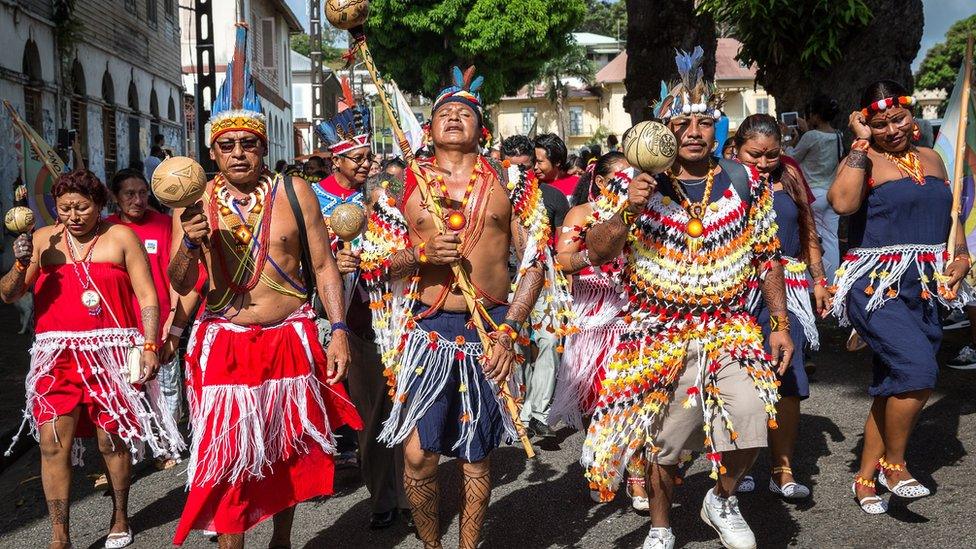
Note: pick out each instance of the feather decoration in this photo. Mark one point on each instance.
(458, 77)
(468, 75)
(476, 84)
(237, 91)
(348, 98)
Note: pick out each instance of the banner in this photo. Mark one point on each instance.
(946, 144)
(40, 168)
(408, 121)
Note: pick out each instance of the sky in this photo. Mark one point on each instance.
(939, 16)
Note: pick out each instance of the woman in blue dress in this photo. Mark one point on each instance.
(892, 280)
(758, 144)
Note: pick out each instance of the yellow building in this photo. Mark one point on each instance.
(592, 113)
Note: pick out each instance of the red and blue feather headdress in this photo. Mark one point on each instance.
(236, 106)
(464, 90)
(348, 130)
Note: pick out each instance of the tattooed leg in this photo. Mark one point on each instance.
(420, 485)
(230, 541)
(424, 495)
(476, 489)
(56, 439)
(117, 465)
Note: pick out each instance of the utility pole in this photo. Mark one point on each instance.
(315, 43)
(206, 79)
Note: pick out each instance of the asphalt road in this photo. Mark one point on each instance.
(544, 503)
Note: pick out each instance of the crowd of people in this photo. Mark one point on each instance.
(493, 298)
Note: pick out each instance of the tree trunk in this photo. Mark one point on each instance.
(560, 123)
(655, 28)
(883, 50)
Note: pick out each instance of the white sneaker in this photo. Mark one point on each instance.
(659, 538)
(955, 320)
(723, 515)
(965, 360)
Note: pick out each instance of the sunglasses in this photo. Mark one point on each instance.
(360, 160)
(248, 144)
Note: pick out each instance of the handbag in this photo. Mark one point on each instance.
(133, 355)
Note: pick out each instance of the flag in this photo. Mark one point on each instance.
(41, 166)
(946, 145)
(408, 121)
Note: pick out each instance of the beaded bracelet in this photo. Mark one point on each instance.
(822, 282)
(189, 244)
(861, 144)
(21, 266)
(779, 323)
(150, 346)
(421, 254)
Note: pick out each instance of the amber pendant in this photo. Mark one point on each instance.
(243, 235)
(456, 221)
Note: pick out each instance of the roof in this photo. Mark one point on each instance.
(300, 63)
(726, 66)
(294, 25)
(540, 92)
(614, 71)
(591, 39)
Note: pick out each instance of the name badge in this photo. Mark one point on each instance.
(152, 246)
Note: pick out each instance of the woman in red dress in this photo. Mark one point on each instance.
(84, 272)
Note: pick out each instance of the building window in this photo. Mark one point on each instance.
(151, 11)
(168, 8)
(528, 119)
(33, 98)
(267, 42)
(109, 140)
(130, 5)
(762, 105)
(575, 120)
(79, 108)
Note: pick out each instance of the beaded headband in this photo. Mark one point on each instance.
(887, 103)
(463, 89)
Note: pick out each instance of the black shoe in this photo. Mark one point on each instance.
(541, 429)
(407, 517)
(380, 521)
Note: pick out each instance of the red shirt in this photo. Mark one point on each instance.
(155, 230)
(566, 185)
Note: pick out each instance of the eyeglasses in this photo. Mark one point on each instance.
(358, 161)
(248, 144)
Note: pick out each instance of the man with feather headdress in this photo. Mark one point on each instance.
(265, 397)
(690, 371)
(445, 385)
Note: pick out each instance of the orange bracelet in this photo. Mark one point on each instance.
(21, 267)
(421, 255)
(150, 346)
(861, 144)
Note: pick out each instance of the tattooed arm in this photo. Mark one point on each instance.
(184, 262)
(530, 285)
(140, 276)
(404, 263)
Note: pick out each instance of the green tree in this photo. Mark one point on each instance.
(301, 44)
(942, 61)
(806, 47)
(606, 17)
(571, 64)
(417, 42)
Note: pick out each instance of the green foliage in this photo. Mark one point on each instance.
(943, 60)
(571, 64)
(774, 32)
(301, 43)
(417, 41)
(606, 17)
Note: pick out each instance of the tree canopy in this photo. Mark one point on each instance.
(417, 42)
(571, 64)
(942, 61)
(806, 47)
(300, 43)
(606, 17)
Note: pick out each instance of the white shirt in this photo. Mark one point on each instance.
(818, 154)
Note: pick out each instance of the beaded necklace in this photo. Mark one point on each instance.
(908, 163)
(89, 297)
(696, 210)
(456, 219)
(253, 253)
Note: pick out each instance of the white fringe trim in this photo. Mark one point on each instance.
(423, 375)
(272, 418)
(886, 266)
(102, 354)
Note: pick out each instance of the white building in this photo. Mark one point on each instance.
(271, 23)
(116, 84)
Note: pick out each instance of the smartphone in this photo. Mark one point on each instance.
(789, 118)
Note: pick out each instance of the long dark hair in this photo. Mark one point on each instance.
(603, 166)
(882, 89)
(764, 125)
